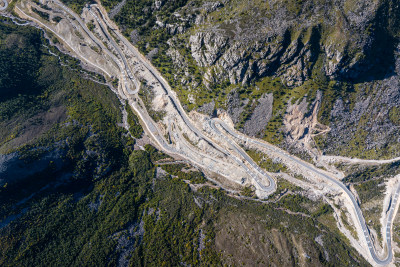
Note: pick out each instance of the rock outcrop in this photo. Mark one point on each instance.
(218, 49)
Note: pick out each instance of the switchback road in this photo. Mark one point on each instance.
(360, 217)
(227, 147)
(5, 5)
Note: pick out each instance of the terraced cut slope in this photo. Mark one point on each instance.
(207, 142)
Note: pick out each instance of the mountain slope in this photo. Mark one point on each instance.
(232, 54)
(86, 195)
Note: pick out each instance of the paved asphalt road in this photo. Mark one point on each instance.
(272, 182)
(361, 220)
(271, 186)
(5, 5)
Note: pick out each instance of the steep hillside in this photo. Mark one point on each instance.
(76, 189)
(233, 55)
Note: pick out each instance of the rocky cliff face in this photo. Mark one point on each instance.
(218, 54)
(244, 41)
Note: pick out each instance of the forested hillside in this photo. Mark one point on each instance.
(76, 190)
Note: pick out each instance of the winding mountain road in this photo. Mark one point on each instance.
(272, 184)
(126, 69)
(5, 5)
(260, 173)
(233, 150)
(168, 91)
(360, 217)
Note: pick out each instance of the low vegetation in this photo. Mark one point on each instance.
(135, 128)
(265, 162)
(97, 201)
